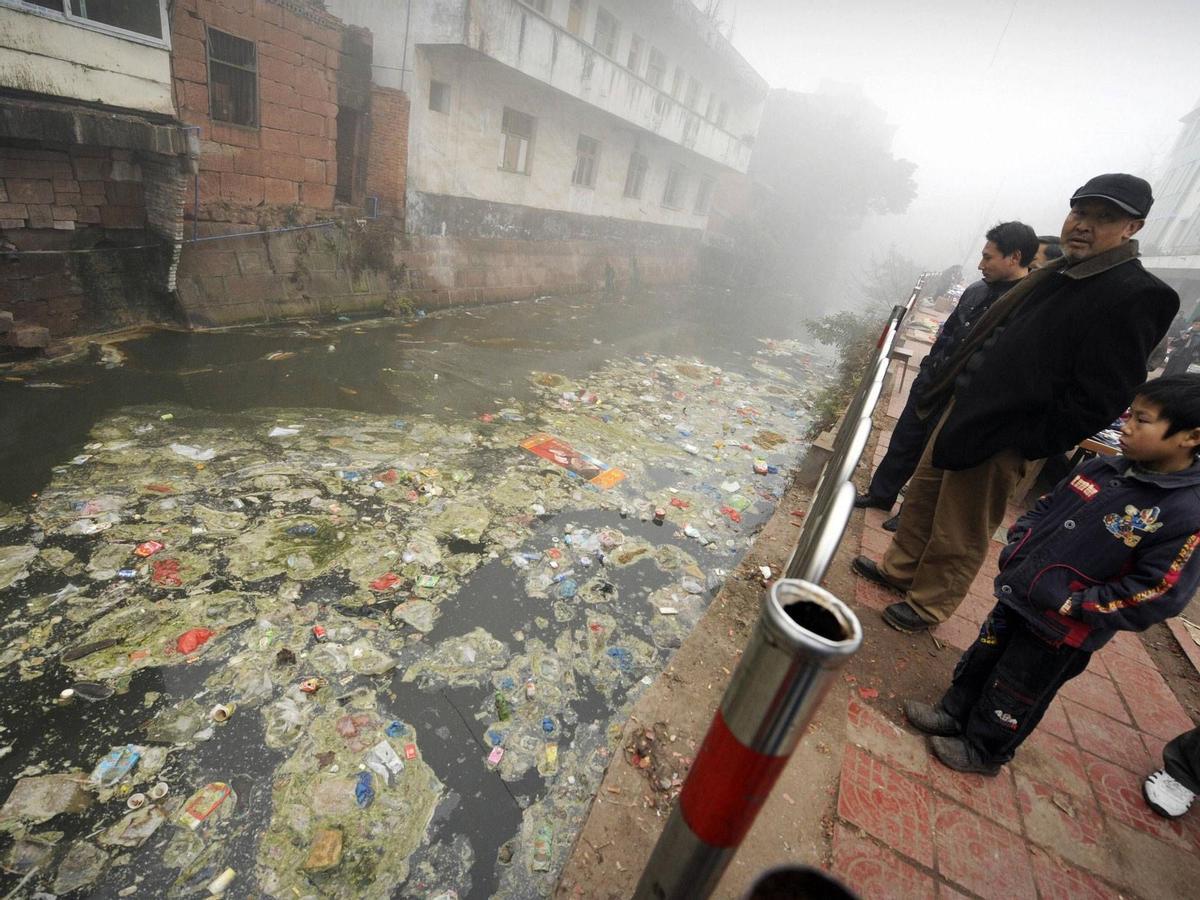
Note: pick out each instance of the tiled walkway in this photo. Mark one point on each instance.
(1065, 819)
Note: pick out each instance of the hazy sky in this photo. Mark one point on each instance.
(1006, 106)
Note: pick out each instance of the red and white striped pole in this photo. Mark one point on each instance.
(803, 634)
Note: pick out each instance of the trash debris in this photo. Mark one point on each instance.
(39, 798)
(118, 763)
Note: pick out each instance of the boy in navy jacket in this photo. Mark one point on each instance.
(1114, 547)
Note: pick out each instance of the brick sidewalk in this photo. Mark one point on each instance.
(1065, 819)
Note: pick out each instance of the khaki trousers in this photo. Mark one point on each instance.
(946, 522)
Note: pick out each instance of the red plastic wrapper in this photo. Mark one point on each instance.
(319, 632)
(149, 548)
(385, 582)
(192, 640)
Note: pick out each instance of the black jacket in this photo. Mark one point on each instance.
(1117, 542)
(976, 300)
(1065, 364)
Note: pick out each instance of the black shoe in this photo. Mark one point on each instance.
(864, 566)
(892, 524)
(866, 501)
(904, 618)
(931, 719)
(955, 753)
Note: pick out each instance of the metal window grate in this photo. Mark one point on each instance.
(607, 30)
(140, 16)
(232, 79)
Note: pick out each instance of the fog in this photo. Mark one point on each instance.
(1006, 106)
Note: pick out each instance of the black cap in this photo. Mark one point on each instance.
(1129, 192)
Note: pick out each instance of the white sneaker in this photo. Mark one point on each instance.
(1166, 796)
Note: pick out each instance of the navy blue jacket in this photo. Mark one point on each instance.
(1117, 541)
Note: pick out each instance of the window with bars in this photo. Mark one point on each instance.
(607, 30)
(634, 63)
(703, 196)
(656, 68)
(673, 191)
(232, 79)
(439, 96)
(516, 141)
(587, 155)
(635, 177)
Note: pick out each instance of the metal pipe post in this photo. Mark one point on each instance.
(803, 635)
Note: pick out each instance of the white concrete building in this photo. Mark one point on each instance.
(549, 119)
(1171, 238)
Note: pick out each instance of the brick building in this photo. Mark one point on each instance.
(93, 169)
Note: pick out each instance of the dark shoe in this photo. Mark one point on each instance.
(866, 567)
(904, 618)
(955, 753)
(931, 719)
(892, 524)
(866, 501)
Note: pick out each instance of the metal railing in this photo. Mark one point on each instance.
(803, 635)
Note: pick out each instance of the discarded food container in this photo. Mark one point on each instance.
(66, 695)
(148, 548)
(495, 756)
(90, 690)
(319, 633)
(222, 711)
(115, 765)
(136, 801)
(221, 883)
(410, 751)
(204, 803)
(159, 791)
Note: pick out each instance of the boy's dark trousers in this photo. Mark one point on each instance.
(1004, 683)
(1181, 759)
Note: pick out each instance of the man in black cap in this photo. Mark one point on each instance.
(1053, 361)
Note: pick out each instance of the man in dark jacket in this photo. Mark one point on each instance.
(1053, 361)
(1007, 252)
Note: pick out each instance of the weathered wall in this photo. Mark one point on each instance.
(56, 198)
(387, 155)
(259, 174)
(321, 272)
(457, 153)
(49, 56)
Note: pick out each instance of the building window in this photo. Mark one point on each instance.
(722, 114)
(712, 106)
(575, 16)
(692, 99)
(138, 17)
(141, 16)
(677, 82)
(634, 62)
(232, 79)
(439, 96)
(607, 29)
(703, 196)
(516, 140)
(673, 192)
(656, 68)
(587, 155)
(635, 178)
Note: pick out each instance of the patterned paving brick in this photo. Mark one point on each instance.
(870, 729)
(871, 595)
(992, 798)
(1058, 881)
(982, 857)
(1055, 722)
(1052, 761)
(1070, 825)
(1120, 794)
(1155, 708)
(884, 803)
(873, 871)
(958, 632)
(875, 542)
(1096, 692)
(1129, 645)
(1107, 738)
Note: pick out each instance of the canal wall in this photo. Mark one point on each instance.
(357, 267)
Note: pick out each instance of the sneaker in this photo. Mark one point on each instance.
(1166, 796)
(866, 501)
(891, 524)
(955, 753)
(931, 719)
(904, 618)
(865, 566)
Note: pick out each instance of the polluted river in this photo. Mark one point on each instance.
(358, 609)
